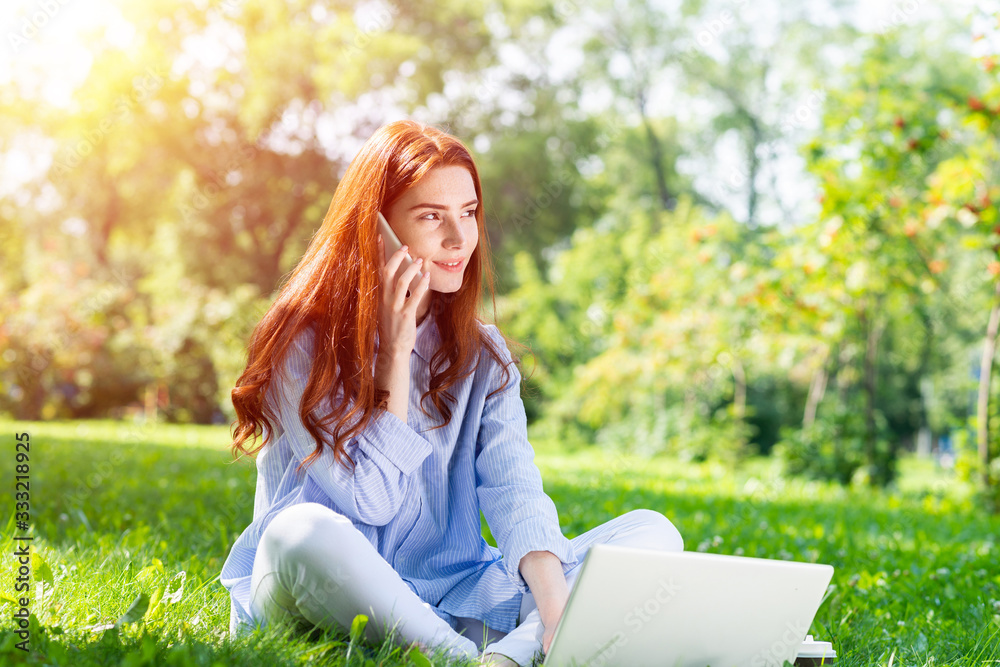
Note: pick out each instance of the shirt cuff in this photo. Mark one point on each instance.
(397, 442)
(536, 536)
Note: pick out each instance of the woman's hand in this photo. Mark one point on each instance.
(542, 570)
(556, 607)
(397, 321)
(397, 328)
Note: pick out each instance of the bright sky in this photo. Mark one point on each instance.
(45, 36)
(42, 51)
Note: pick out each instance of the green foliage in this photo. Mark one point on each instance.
(80, 346)
(68, 350)
(831, 448)
(678, 431)
(643, 316)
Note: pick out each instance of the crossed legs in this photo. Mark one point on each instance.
(312, 563)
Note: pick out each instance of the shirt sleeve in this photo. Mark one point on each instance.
(385, 453)
(521, 516)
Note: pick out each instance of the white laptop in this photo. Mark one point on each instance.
(642, 608)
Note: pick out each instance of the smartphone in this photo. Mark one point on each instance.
(391, 243)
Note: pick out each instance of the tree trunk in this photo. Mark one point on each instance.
(109, 219)
(926, 354)
(985, 371)
(667, 200)
(753, 167)
(843, 359)
(817, 388)
(879, 474)
(739, 389)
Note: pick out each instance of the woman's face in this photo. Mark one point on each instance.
(436, 218)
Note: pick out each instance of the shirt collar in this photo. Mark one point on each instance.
(428, 338)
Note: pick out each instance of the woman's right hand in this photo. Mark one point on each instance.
(397, 319)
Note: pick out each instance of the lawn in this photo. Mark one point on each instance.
(127, 513)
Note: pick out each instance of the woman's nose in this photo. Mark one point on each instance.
(454, 238)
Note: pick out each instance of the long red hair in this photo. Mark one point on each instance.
(335, 287)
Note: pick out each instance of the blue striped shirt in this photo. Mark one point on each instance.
(416, 493)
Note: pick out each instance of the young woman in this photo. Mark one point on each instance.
(391, 416)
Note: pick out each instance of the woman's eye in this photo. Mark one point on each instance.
(433, 216)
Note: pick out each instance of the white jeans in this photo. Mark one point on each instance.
(312, 563)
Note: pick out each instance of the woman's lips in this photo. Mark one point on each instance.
(457, 268)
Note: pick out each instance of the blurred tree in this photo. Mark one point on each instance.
(712, 66)
(651, 317)
(764, 82)
(227, 125)
(883, 136)
(964, 192)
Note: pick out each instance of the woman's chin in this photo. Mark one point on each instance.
(448, 286)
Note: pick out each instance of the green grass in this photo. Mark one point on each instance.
(120, 510)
